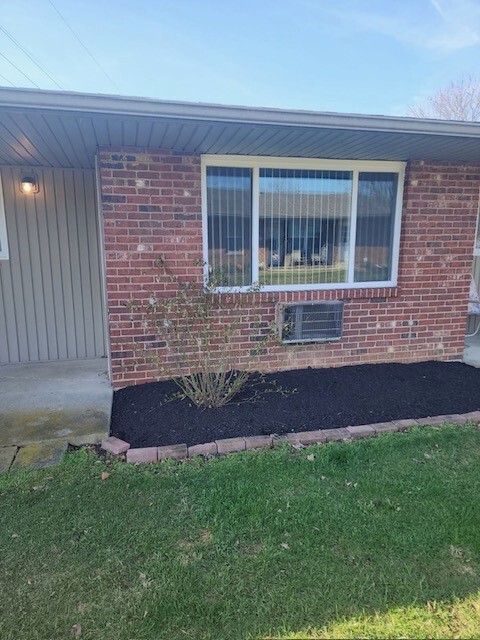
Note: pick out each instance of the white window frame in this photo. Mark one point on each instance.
(4, 255)
(269, 162)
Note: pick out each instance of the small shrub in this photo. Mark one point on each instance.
(201, 330)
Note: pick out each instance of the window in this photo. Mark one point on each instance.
(3, 228)
(376, 204)
(303, 226)
(229, 196)
(290, 224)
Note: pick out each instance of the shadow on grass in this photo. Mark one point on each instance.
(255, 545)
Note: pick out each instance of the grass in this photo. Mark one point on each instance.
(302, 275)
(284, 275)
(376, 539)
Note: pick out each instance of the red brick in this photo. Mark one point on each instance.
(206, 449)
(115, 445)
(403, 425)
(312, 437)
(361, 431)
(336, 434)
(148, 454)
(172, 451)
(230, 445)
(257, 442)
(473, 416)
(430, 421)
(291, 438)
(384, 427)
(455, 418)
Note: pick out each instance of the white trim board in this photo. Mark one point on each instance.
(4, 254)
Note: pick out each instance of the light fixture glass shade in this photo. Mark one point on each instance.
(28, 185)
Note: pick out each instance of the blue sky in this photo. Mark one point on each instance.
(364, 56)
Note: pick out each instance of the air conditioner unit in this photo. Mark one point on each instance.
(310, 321)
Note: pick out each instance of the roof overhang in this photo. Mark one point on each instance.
(52, 128)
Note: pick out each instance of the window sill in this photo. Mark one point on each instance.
(332, 291)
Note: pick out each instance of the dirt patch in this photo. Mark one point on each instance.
(308, 399)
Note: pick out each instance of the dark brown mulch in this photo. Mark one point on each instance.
(311, 399)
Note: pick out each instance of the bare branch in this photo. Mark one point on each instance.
(460, 100)
(200, 335)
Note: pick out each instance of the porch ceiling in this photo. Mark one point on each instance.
(59, 129)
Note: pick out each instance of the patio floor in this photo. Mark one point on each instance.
(45, 406)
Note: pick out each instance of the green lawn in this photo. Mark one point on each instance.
(302, 275)
(378, 538)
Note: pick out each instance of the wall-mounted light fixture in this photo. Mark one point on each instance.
(28, 185)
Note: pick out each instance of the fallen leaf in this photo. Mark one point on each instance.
(144, 581)
(427, 455)
(284, 545)
(76, 630)
(105, 475)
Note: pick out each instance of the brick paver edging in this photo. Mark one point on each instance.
(230, 445)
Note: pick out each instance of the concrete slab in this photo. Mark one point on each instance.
(69, 400)
(40, 455)
(7, 456)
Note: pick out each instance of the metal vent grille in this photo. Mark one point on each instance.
(311, 322)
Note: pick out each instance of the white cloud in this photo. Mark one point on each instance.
(440, 26)
(460, 24)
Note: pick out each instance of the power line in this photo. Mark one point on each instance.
(86, 48)
(19, 70)
(31, 56)
(7, 80)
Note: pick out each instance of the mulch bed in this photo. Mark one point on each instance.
(310, 399)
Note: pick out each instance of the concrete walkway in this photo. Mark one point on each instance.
(45, 406)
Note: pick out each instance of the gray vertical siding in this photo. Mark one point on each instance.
(51, 305)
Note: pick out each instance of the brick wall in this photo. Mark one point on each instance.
(151, 203)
